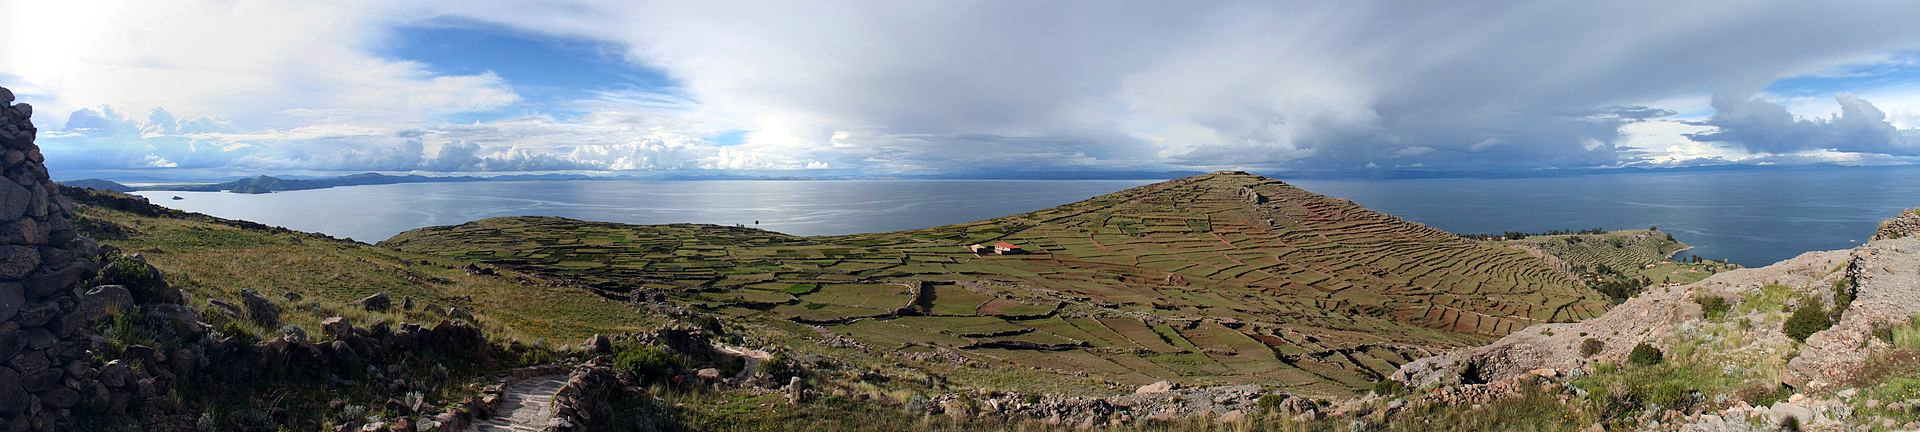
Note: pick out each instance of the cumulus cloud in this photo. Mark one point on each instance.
(962, 85)
(1763, 126)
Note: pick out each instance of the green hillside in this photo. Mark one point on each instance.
(1214, 279)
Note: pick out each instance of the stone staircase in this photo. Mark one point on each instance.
(527, 406)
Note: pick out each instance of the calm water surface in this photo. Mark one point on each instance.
(1751, 217)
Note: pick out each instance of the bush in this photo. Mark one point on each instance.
(1810, 318)
(644, 363)
(1270, 403)
(1388, 387)
(1591, 346)
(1712, 306)
(1645, 355)
(141, 280)
(778, 366)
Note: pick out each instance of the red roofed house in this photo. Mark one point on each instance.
(1005, 248)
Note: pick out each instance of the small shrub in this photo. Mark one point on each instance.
(1591, 346)
(1810, 318)
(1763, 395)
(1388, 387)
(1270, 403)
(146, 285)
(1645, 355)
(644, 363)
(239, 333)
(1712, 306)
(779, 366)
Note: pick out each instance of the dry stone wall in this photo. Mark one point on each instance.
(45, 309)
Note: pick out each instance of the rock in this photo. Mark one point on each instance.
(259, 309)
(376, 302)
(43, 380)
(39, 338)
(183, 361)
(13, 397)
(103, 300)
(25, 231)
(10, 341)
(115, 374)
(49, 283)
(13, 297)
(1158, 387)
(1782, 410)
(59, 397)
(17, 261)
(14, 201)
(456, 312)
(336, 327)
(38, 315)
(598, 344)
(29, 362)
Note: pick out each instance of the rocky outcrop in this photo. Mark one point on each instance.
(1885, 278)
(1648, 317)
(1905, 225)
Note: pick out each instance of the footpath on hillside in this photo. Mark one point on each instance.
(527, 406)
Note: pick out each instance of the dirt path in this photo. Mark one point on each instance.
(526, 407)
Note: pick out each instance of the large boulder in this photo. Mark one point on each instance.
(337, 327)
(103, 300)
(259, 309)
(376, 302)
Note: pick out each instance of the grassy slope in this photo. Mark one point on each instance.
(1300, 291)
(214, 259)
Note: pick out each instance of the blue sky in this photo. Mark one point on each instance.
(206, 88)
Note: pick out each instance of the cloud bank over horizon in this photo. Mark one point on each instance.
(930, 87)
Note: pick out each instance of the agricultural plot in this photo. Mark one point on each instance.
(1221, 278)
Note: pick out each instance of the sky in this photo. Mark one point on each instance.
(236, 87)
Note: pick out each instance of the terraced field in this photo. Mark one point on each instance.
(1625, 259)
(1220, 278)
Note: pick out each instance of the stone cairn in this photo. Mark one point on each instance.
(44, 308)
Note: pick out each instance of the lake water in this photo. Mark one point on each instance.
(1751, 217)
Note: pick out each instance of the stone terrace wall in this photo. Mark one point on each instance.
(43, 311)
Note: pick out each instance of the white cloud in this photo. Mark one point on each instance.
(957, 85)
